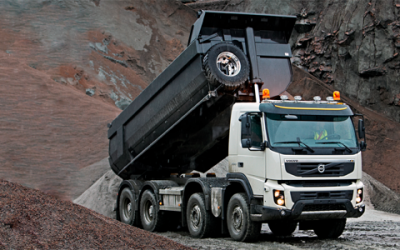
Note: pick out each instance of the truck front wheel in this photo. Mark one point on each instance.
(282, 228)
(152, 219)
(126, 206)
(330, 229)
(240, 226)
(200, 221)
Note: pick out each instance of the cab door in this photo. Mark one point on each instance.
(251, 151)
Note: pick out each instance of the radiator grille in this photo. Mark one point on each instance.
(311, 169)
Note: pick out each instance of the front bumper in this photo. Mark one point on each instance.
(324, 209)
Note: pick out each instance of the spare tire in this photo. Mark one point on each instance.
(226, 64)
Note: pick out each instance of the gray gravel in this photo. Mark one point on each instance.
(358, 235)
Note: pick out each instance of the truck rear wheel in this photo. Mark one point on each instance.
(127, 208)
(282, 228)
(240, 226)
(152, 219)
(330, 229)
(200, 221)
(226, 64)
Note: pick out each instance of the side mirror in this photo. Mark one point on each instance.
(363, 145)
(361, 129)
(251, 133)
(361, 133)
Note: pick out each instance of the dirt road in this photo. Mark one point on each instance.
(374, 230)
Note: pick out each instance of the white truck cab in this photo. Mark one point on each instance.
(298, 173)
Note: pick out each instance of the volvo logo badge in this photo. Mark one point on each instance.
(321, 168)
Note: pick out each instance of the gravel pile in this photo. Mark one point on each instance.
(30, 219)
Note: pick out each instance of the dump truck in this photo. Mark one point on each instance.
(291, 162)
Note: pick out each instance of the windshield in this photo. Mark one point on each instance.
(313, 131)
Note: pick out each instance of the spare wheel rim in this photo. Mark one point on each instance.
(228, 64)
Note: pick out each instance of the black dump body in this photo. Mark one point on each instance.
(175, 125)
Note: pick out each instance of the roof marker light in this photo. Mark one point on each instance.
(317, 98)
(284, 97)
(297, 98)
(336, 96)
(265, 94)
(329, 98)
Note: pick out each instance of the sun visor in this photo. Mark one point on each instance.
(306, 109)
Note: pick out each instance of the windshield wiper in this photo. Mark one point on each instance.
(298, 142)
(334, 142)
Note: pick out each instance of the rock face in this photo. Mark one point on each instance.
(110, 50)
(351, 45)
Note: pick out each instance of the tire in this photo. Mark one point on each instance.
(200, 222)
(126, 208)
(330, 229)
(152, 219)
(240, 227)
(226, 64)
(282, 228)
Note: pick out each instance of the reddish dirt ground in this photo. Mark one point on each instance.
(47, 131)
(30, 219)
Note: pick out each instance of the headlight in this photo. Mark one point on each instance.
(279, 197)
(359, 197)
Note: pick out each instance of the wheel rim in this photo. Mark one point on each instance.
(127, 211)
(237, 218)
(195, 217)
(148, 212)
(228, 63)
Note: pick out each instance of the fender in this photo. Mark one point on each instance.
(243, 181)
(135, 186)
(156, 186)
(205, 185)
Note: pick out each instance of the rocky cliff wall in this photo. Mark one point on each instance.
(351, 45)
